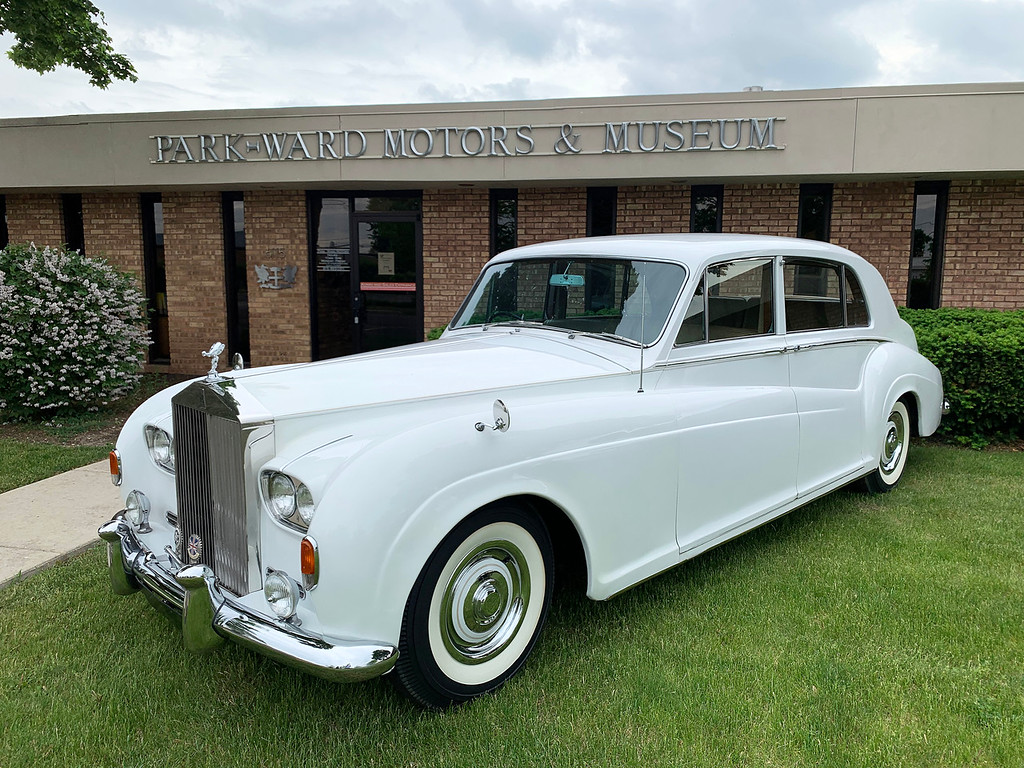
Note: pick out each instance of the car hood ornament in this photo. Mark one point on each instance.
(214, 354)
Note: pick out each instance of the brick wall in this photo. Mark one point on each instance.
(761, 209)
(35, 219)
(194, 257)
(276, 235)
(456, 244)
(647, 209)
(113, 229)
(984, 255)
(554, 213)
(875, 220)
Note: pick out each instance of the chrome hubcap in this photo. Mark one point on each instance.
(892, 448)
(484, 602)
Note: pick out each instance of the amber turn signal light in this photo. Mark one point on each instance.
(115, 467)
(309, 562)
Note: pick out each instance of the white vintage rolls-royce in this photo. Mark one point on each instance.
(614, 405)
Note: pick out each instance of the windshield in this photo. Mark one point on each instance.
(617, 297)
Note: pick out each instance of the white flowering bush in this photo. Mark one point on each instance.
(72, 332)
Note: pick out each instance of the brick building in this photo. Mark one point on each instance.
(299, 234)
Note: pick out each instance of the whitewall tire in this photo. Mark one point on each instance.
(477, 607)
(893, 457)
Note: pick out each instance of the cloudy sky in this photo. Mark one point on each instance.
(210, 54)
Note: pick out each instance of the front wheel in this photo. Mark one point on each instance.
(477, 608)
(895, 445)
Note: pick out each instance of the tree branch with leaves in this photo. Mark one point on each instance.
(52, 33)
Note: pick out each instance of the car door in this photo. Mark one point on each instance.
(736, 415)
(827, 349)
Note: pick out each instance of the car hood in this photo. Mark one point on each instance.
(485, 361)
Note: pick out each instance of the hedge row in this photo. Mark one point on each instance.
(981, 356)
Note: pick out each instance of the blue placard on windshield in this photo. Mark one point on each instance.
(566, 281)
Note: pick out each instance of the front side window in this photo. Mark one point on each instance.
(822, 295)
(733, 300)
(622, 299)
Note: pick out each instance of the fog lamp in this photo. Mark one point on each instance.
(281, 593)
(136, 511)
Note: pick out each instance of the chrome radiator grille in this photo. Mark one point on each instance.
(210, 483)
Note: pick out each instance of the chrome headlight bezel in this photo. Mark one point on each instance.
(161, 447)
(287, 499)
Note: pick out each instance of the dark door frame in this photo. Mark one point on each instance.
(312, 197)
(355, 219)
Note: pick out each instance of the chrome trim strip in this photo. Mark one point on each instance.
(764, 352)
(836, 342)
(718, 358)
(209, 616)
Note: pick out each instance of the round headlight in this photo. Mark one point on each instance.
(282, 594)
(161, 447)
(281, 496)
(304, 502)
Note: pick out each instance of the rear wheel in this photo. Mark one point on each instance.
(895, 445)
(477, 608)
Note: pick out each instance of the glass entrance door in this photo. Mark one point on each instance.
(386, 300)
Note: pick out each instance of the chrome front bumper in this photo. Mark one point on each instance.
(209, 617)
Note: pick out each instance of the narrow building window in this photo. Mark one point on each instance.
(601, 204)
(156, 277)
(4, 239)
(924, 289)
(235, 275)
(706, 208)
(815, 216)
(74, 225)
(504, 219)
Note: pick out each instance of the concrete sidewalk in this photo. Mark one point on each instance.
(53, 518)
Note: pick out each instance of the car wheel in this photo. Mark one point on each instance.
(477, 608)
(895, 445)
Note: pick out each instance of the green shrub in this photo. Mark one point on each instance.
(435, 333)
(981, 356)
(72, 332)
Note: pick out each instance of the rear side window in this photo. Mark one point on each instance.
(821, 295)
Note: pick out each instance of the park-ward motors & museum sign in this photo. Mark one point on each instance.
(692, 135)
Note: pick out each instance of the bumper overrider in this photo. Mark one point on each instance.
(209, 617)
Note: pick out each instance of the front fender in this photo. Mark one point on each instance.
(386, 513)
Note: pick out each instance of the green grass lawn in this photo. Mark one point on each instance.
(22, 463)
(857, 631)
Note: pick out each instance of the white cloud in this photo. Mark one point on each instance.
(205, 54)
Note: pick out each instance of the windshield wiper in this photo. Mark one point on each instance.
(610, 336)
(514, 323)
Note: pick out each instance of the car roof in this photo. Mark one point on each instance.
(691, 250)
